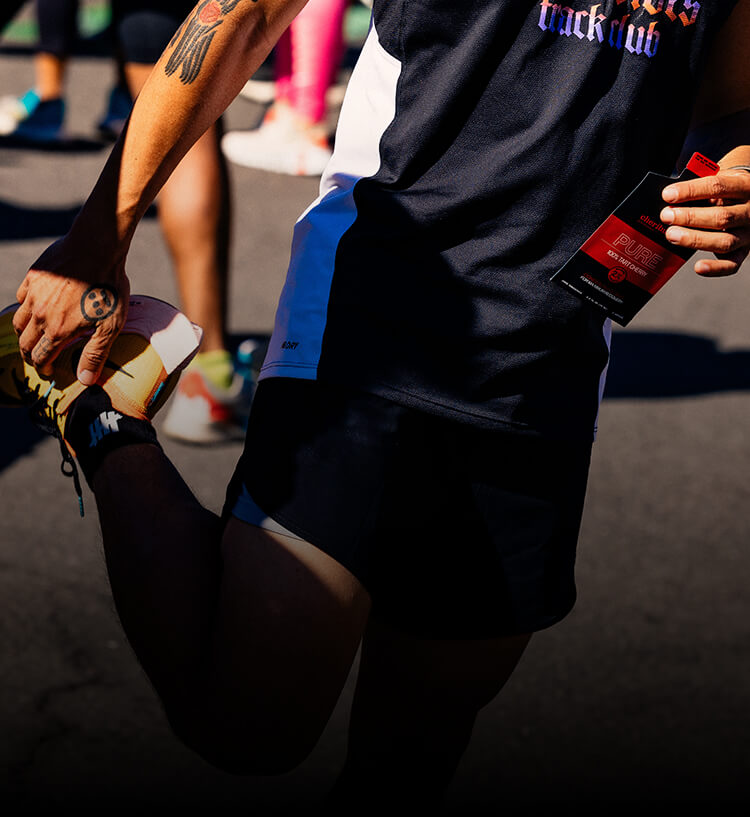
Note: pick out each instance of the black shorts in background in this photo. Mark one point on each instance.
(455, 532)
(144, 29)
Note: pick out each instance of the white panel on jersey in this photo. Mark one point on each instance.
(607, 330)
(368, 109)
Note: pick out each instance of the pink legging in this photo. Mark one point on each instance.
(308, 56)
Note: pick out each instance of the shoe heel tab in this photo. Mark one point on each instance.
(174, 338)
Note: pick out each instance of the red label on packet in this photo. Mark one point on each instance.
(628, 258)
(636, 258)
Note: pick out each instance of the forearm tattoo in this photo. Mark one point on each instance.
(193, 38)
(98, 303)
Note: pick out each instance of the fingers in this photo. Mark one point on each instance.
(37, 348)
(39, 339)
(722, 229)
(105, 308)
(707, 218)
(21, 318)
(727, 184)
(22, 290)
(720, 266)
(40, 346)
(721, 243)
(94, 353)
(47, 322)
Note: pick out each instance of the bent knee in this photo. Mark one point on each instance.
(249, 759)
(250, 751)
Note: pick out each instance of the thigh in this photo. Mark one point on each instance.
(417, 686)
(415, 705)
(455, 532)
(315, 461)
(289, 623)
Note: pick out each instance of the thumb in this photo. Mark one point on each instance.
(94, 355)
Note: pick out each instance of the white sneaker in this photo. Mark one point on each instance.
(264, 91)
(12, 112)
(258, 90)
(28, 117)
(200, 412)
(293, 154)
(261, 86)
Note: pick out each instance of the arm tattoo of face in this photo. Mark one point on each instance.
(192, 40)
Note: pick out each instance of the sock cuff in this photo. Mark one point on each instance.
(94, 429)
(217, 366)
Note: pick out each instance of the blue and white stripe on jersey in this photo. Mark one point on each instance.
(368, 109)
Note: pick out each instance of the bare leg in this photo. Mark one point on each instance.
(247, 636)
(414, 710)
(49, 72)
(194, 216)
(57, 21)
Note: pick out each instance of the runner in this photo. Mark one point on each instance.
(38, 115)
(415, 465)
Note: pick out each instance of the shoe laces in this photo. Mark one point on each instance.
(44, 416)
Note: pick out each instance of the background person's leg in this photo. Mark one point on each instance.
(211, 402)
(293, 137)
(194, 216)
(38, 115)
(414, 709)
(58, 32)
(247, 636)
(316, 52)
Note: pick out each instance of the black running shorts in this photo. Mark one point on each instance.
(455, 532)
(145, 27)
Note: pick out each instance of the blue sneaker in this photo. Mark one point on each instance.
(118, 111)
(28, 117)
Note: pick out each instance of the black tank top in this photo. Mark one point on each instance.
(479, 144)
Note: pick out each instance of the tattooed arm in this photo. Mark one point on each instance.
(220, 44)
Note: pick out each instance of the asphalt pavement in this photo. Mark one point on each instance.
(638, 700)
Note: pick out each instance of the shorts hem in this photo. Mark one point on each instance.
(304, 535)
(400, 622)
(366, 464)
(470, 633)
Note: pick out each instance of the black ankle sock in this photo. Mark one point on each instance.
(93, 428)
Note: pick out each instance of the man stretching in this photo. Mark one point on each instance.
(415, 466)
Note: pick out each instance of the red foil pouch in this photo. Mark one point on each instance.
(628, 259)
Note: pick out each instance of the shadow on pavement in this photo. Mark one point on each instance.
(19, 435)
(69, 144)
(670, 364)
(19, 222)
(645, 365)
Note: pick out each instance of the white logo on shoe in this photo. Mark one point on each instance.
(105, 423)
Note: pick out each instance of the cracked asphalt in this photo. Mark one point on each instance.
(639, 699)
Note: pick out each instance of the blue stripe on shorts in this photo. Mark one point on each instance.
(247, 510)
